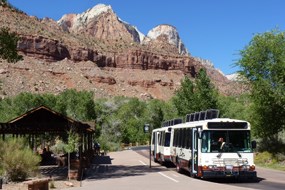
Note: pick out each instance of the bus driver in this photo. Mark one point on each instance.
(221, 143)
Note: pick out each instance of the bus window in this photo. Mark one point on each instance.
(188, 138)
(234, 141)
(174, 137)
(167, 140)
(180, 138)
(163, 138)
(183, 137)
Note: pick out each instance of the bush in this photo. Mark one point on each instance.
(17, 160)
(264, 159)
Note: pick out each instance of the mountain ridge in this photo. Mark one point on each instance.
(43, 41)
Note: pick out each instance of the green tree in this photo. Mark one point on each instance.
(155, 112)
(197, 96)
(184, 99)
(8, 45)
(15, 106)
(206, 94)
(76, 104)
(132, 116)
(262, 62)
(71, 146)
(236, 107)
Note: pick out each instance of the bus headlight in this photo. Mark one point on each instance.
(229, 167)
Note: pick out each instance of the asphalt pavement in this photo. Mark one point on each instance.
(128, 170)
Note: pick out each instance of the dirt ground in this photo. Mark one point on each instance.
(55, 184)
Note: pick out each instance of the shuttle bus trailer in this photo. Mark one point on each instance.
(160, 142)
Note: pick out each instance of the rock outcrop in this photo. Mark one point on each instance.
(53, 50)
(166, 36)
(100, 22)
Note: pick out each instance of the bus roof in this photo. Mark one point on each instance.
(217, 123)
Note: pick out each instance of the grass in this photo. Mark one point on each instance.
(268, 160)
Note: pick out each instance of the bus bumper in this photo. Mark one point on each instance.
(223, 174)
(166, 158)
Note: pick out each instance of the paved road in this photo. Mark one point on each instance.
(128, 170)
(267, 179)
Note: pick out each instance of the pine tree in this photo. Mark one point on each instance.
(8, 46)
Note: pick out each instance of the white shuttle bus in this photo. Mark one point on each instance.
(212, 147)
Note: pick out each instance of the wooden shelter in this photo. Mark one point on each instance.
(42, 121)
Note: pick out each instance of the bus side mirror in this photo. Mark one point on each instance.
(253, 144)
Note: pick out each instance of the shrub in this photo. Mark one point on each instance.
(17, 160)
(264, 158)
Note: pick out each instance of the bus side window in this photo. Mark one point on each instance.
(180, 138)
(188, 138)
(174, 138)
(184, 138)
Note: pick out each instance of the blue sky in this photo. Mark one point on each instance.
(211, 29)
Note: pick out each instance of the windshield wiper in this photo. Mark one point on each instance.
(239, 155)
(219, 155)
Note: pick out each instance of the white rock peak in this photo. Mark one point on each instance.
(91, 13)
(171, 33)
(80, 20)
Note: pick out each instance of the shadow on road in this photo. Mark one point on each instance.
(234, 180)
(102, 168)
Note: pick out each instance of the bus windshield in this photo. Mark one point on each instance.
(226, 141)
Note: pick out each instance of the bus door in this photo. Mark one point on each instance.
(155, 148)
(194, 153)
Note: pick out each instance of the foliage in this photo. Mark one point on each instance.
(58, 147)
(206, 94)
(77, 105)
(17, 160)
(8, 45)
(130, 117)
(155, 113)
(262, 62)
(236, 107)
(195, 96)
(121, 119)
(73, 142)
(269, 160)
(51, 184)
(4, 2)
(185, 97)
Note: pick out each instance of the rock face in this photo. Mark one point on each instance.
(166, 35)
(53, 50)
(96, 51)
(99, 22)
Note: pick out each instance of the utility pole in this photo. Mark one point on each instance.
(147, 129)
